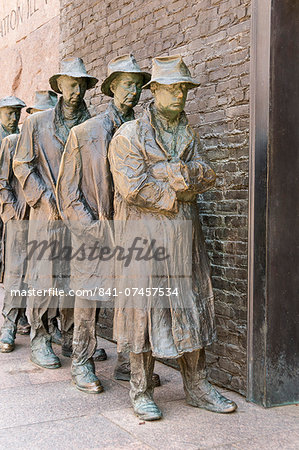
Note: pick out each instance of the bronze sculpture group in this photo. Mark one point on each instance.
(72, 178)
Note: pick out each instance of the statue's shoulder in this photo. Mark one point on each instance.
(92, 127)
(128, 129)
(40, 118)
(11, 139)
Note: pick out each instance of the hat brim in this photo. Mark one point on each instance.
(105, 88)
(91, 81)
(190, 81)
(13, 106)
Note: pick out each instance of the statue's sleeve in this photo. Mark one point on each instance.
(71, 202)
(24, 165)
(201, 176)
(134, 180)
(72, 205)
(7, 197)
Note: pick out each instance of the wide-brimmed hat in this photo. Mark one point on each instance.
(43, 100)
(72, 67)
(12, 101)
(122, 64)
(171, 70)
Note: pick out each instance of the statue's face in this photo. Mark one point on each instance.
(10, 117)
(170, 98)
(73, 89)
(126, 88)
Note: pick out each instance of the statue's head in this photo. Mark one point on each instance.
(170, 82)
(170, 99)
(126, 89)
(10, 112)
(72, 89)
(124, 82)
(9, 117)
(72, 81)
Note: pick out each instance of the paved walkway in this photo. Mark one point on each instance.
(40, 409)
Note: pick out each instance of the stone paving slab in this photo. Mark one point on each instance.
(41, 409)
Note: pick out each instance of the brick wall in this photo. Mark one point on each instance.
(214, 38)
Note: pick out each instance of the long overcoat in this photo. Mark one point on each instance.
(14, 212)
(85, 195)
(3, 133)
(152, 186)
(36, 165)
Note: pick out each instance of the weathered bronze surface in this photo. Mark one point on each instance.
(85, 195)
(13, 211)
(10, 111)
(158, 172)
(36, 164)
(43, 100)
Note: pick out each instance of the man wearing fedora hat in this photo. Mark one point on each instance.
(36, 165)
(44, 100)
(85, 178)
(158, 172)
(11, 208)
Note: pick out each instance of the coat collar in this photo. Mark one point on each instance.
(117, 117)
(61, 130)
(185, 136)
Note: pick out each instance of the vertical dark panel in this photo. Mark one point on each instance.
(273, 338)
(283, 207)
(259, 134)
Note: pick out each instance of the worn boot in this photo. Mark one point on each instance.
(122, 370)
(85, 379)
(54, 332)
(23, 326)
(199, 392)
(142, 388)
(100, 355)
(9, 329)
(7, 338)
(42, 353)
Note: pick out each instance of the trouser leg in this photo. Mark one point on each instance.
(84, 341)
(193, 369)
(38, 315)
(142, 387)
(66, 312)
(142, 368)
(199, 392)
(84, 346)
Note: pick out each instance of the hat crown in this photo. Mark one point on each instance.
(73, 66)
(45, 100)
(170, 67)
(12, 101)
(124, 63)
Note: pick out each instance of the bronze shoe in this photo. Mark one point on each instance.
(6, 348)
(85, 379)
(7, 340)
(100, 355)
(42, 353)
(146, 409)
(207, 397)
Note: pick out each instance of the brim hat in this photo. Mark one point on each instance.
(12, 101)
(171, 70)
(43, 100)
(75, 68)
(119, 65)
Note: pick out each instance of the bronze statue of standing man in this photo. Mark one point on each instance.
(13, 208)
(158, 172)
(36, 165)
(85, 195)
